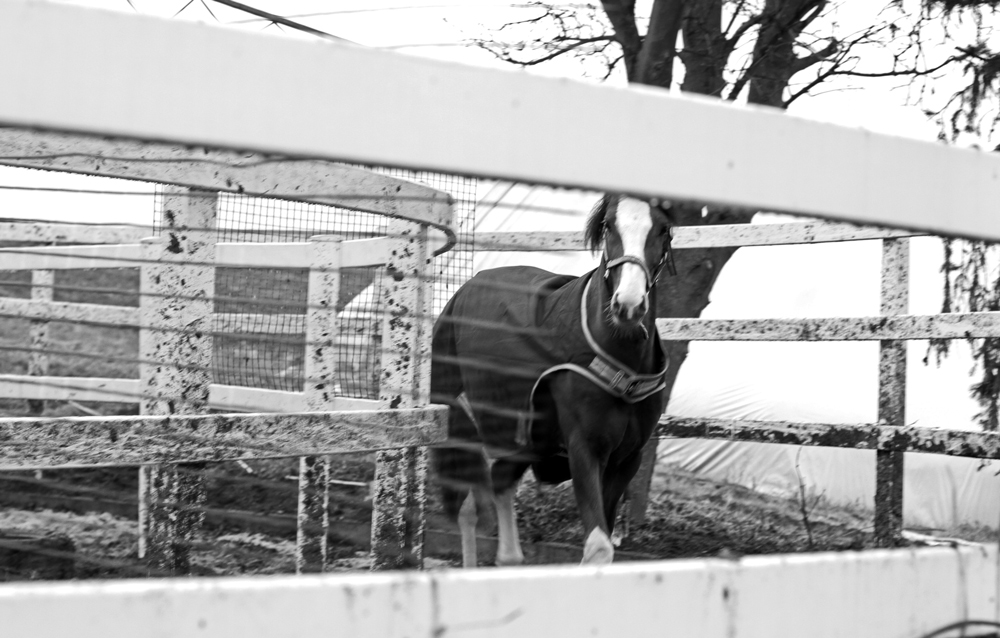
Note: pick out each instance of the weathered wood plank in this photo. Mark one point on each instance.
(94, 314)
(176, 286)
(71, 257)
(949, 326)
(873, 594)
(232, 172)
(895, 300)
(39, 388)
(780, 234)
(126, 440)
(233, 398)
(399, 496)
(220, 397)
(320, 370)
(357, 253)
(42, 288)
(863, 436)
(696, 236)
(54, 232)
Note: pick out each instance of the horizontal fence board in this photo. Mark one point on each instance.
(233, 398)
(945, 326)
(420, 112)
(69, 388)
(696, 236)
(262, 255)
(780, 234)
(125, 316)
(524, 241)
(127, 440)
(870, 594)
(980, 445)
(220, 397)
(71, 257)
(243, 173)
(354, 253)
(47, 232)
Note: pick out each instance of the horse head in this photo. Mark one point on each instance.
(634, 235)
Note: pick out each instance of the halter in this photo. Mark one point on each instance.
(667, 260)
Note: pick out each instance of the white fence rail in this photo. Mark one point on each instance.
(677, 146)
(876, 594)
(354, 253)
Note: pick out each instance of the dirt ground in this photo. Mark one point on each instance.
(688, 516)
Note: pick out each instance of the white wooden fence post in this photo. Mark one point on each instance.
(42, 282)
(177, 291)
(891, 394)
(399, 498)
(311, 553)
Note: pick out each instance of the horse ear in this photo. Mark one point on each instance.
(668, 208)
(596, 224)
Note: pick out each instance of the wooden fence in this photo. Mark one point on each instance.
(177, 322)
(888, 436)
(155, 80)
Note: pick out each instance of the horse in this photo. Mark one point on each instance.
(561, 374)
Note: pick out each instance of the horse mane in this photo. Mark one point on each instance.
(593, 233)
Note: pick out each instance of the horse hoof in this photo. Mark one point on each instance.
(598, 549)
(510, 561)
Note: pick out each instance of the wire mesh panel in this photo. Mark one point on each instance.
(263, 343)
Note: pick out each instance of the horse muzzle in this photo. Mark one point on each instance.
(627, 309)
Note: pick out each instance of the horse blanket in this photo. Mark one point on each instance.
(498, 339)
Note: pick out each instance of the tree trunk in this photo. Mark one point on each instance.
(705, 55)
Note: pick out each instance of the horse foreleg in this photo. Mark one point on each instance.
(508, 542)
(597, 549)
(615, 483)
(467, 520)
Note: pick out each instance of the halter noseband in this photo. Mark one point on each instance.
(667, 260)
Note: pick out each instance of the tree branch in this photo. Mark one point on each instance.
(806, 61)
(568, 48)
(907, 72)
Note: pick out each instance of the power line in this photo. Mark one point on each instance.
(276, 19)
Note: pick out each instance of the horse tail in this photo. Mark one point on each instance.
(459, 472)
(458, 464)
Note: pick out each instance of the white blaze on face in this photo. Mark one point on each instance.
(633, 223)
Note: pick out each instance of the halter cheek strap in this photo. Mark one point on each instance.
(667, 260)
(629, 259)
